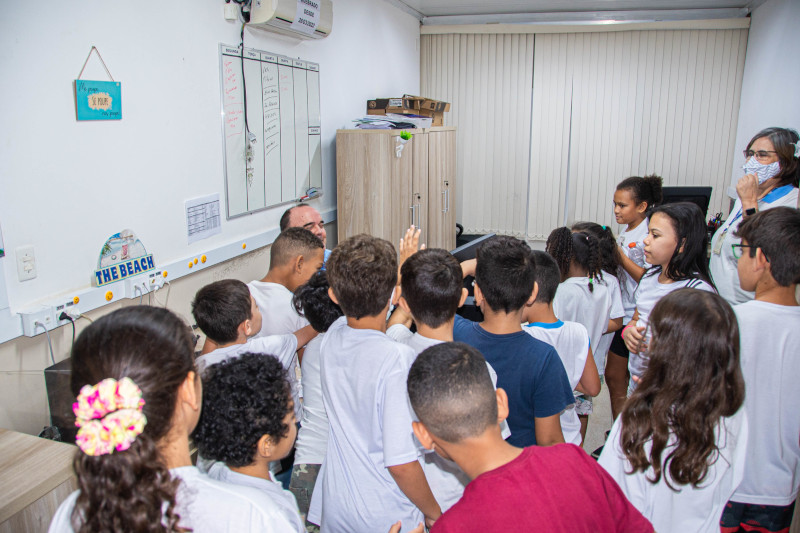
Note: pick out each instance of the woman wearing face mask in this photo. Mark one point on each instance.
(772, 172)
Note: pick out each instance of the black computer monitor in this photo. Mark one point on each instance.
(464, 252)
(468, 250)
(700, 196)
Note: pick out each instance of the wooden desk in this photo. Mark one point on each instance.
(35, 477)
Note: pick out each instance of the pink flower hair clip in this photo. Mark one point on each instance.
(109, 416)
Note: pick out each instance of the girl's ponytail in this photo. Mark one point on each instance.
(593, 260)
(644, 189)
(125, 491)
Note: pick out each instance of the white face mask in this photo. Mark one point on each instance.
(764, 172)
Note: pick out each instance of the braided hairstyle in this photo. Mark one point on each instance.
(582, 248)
(608, 244)
(643, 189)
(132, 490)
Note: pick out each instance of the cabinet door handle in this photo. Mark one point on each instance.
(413, 213)
(446, 199)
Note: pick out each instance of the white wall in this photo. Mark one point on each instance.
(66, 186)
(771, 82)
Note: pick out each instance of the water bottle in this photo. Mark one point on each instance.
(636, 253)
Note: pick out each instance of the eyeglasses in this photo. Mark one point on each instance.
(760, 155)
(737, 249)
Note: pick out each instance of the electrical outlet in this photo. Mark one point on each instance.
(31, 321)
(141, 285)
(26, 263)
(231, 11)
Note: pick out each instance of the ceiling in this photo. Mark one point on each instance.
(587, 11)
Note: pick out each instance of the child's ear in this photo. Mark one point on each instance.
(298, 263)
(534, 294)
(190, 393)
(333, 297)
(246, 327)
(422, 435)
(464, 294)
(762, 262)
(502, 404)
(396, 293)
(642, 207)
(478, 295)
(404, 305)
(264, 447)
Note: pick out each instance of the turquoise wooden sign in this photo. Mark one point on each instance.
(98, 100)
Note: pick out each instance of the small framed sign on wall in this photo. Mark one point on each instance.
(97, 100)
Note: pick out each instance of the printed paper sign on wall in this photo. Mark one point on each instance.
(98, 100)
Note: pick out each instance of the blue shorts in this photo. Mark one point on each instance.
(752, 517)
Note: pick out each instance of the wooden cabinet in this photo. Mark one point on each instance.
(382, 194)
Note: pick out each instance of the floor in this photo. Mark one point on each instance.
(599, 421)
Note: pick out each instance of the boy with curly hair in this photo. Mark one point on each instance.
(247, 421)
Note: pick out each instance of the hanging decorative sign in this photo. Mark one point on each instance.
(123, 256)
(97, 100)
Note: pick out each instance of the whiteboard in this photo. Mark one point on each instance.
(283, 119)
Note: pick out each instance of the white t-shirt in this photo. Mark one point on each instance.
(206, 505)
(571, 341)
(446, 479)
(617, 310)
(574, 302)
(687, 509)
(312, 439)
(723, 267)
(272, 489)
(364, 391)
(279, 317)
(284, 347)
(275, 303)
(649, 292)
(769, 349)
(628, 284)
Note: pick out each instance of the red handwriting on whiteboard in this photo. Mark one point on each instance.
(231, 91)
(234, 120)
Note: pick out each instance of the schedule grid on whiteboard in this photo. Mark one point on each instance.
(283, 120)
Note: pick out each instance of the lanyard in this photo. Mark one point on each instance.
(774, 194)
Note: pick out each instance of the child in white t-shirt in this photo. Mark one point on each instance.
(228, 315)
(609, 262)
(313, 302)
(570, 339)
(676, 247)
(580, 297)
(677, 450)
(769, 332)
(633, 199)
(133, 370)
(432, 290)
(247, 422)
(371, 475)
(294, 256)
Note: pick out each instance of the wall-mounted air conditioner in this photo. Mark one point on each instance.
(304, 19)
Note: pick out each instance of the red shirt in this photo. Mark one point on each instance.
(557, 488)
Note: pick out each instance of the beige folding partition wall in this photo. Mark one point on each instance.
(550, 122)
